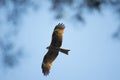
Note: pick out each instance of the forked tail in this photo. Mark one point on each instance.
(64, 51)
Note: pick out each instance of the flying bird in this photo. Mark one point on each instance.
(54, 48)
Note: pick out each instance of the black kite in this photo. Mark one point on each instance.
(54, 48)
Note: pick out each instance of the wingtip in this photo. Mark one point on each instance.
(45, 69)
(45, 73)
(60, 25)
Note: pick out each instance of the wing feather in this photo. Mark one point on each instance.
(48, 60)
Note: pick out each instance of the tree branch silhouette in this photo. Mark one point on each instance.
(11, 11)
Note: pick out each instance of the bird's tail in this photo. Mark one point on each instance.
(64, 51)
(60, 49)
(46, 68)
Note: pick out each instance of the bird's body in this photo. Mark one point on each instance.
(53, 49)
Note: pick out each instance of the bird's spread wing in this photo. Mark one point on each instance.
(48, 60)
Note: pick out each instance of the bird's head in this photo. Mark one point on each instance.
(59, 28)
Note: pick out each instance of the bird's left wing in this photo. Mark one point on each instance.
(48, 60)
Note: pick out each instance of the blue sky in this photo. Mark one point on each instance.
(94, 53)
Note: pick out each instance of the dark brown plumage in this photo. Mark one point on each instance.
(54, 48)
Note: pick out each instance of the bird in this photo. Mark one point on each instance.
(54, 48)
